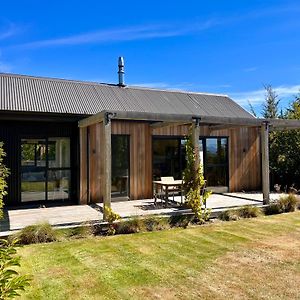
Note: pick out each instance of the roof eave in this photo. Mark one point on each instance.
(162, 117)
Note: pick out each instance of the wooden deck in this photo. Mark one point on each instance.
(76, 215)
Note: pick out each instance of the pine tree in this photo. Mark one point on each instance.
(270, 107)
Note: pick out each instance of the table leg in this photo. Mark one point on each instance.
(181, 194)
(155, 193)
(167, 195)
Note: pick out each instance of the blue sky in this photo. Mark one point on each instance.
(228, 47)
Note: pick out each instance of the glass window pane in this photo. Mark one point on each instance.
(58, 184)
(201, 152)
(59, 152)
(120, 166)
(33, 152)
(166, 158)
(216, 150)
(33, 184)
(216, 176)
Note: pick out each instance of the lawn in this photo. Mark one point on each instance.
(254, 258)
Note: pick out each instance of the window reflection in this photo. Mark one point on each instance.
(45, 169)
(216, 161)
(168, 157)
(120, 166)
(59, 152)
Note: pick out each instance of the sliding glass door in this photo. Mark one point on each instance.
(169, 158)
(45, 169)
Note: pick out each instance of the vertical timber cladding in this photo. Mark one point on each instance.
(244, 153)
(95, 168)
(244, 156)
(140, 156)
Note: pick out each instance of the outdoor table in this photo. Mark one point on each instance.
(167, 186)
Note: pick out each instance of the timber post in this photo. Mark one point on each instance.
(265, 164)
(195, 139)
(83, 186)
(107, 162)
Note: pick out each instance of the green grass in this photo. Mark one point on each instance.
(217, 261)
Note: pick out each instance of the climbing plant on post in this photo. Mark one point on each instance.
(194, 183)
(3, 176)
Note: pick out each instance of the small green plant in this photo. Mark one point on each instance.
(76, 232)
(111, 217)
(11, 282)
(288, 203)
(194, 184)
(132, 225)
(181, 220)
(154, 223)
(39, 233)
(247, 211)
(284, 204)
(229, 215)
(4, 172)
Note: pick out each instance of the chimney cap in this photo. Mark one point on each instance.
(121, 61)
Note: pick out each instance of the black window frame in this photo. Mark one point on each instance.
(46, 167)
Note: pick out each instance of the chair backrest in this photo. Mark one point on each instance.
(167, 179)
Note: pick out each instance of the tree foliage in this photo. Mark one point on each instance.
(11, 282)
(270, 106)
(285, 151)
(4, 172)
(194, 183)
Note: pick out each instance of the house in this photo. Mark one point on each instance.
(83, 142)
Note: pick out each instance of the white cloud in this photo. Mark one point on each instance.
(140, 32)
(258, 96)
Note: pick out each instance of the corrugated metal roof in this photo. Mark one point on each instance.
(38, 94)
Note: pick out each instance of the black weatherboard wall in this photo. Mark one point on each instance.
(11, 133)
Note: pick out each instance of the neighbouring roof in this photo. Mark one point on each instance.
(48, 95)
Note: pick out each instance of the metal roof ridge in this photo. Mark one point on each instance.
(14, 75)
(174, 91)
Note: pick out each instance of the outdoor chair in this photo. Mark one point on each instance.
(172, 189)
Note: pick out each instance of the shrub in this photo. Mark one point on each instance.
(194, 183)
(76, 232)
(284, 204)
(11, 283)
(111, 217)
(229, 215)
(247, 211)
(288, 203)
(181, 220)
(39, 233)
(273, 209)
(153, 223)
(132, 225)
